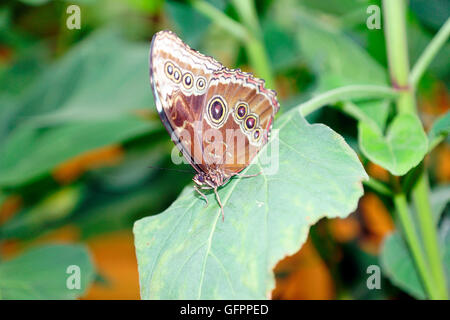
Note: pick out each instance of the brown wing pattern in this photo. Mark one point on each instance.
(179, 102)
(219, 118)
(241, 138)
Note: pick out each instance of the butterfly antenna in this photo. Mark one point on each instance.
(170, 169)
(246, 175)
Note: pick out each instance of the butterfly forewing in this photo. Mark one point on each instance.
(219, 118)
(179, 78)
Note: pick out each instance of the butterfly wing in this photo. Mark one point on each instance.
(239, 110)
(218, 118)
(179, 78)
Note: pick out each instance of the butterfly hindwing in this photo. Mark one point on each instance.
(241, 110)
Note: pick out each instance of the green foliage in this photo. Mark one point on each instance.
(439, 130)
(266, 218)
(54, 207)
(65, 93)
(401, 149)
(79, 104)
(41, 273)
(55, 146)
(399, 265)
(336, 59)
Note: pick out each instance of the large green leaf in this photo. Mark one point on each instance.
(187, 252)
(42, 273)
(101, 78)
(402, 148)
(29, 153)
(83, 101)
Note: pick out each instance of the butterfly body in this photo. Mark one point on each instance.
(219, 118)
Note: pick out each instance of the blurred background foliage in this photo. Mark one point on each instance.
(79, 132)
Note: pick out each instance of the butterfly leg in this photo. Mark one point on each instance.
(202, 194)
(220, 203)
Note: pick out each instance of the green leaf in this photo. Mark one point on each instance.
(29, 153)
(84, 101)
(440, 129)
(42, 273)
(191, 25)
(187, 252)
(51, 209)
(398, 265)
(120, 211)
(402, 148)
(281, 46)
(439, 199)
(336, 59)
(100, 78)
(373, 113)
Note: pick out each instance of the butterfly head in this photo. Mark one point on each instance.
(209, 180)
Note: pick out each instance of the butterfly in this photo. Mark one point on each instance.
(219, 118)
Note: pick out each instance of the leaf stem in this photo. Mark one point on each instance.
(432, 144)
(429, 53)
(427, 226)
(378, 186)
(345, 93)
(404, 215)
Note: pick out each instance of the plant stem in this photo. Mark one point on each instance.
(429, 235)
(404, 215)
(249, 32)
(429, 53)
(396, 45)
(221, 19)
(247, 12)
(356, 112)
(420, 191)
(260, 61)
(255, 48)
(345, 93)
(397, 51)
